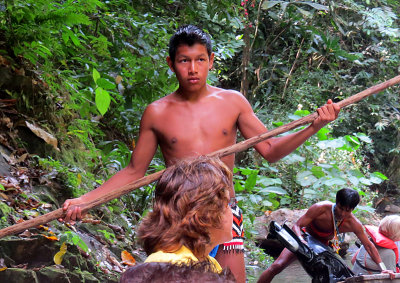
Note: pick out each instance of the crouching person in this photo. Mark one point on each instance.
(384, 238)
(325, 221)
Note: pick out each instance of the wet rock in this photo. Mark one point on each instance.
(59, 275)
(18, 275)
(4, 166)
(391, 208)
(34, 251)
(47, 194)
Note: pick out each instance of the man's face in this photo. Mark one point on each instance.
(342, 212)
(191, 66)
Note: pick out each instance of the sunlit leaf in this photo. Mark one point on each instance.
(305, 178)
(273, 189)
(335, 181)
(323, 134)
(103, 100)
(293, 158)
(251, 181)
(58, 257)
(96, 75)
(127, 258)
(317, 171)
(379, 175)
(262, 180)
(51, 238)
(105, 84)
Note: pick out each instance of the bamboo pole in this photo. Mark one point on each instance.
(40, 220)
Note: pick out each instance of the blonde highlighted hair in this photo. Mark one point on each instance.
(390, 227)
(189, 199)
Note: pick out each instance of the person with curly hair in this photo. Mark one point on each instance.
(191, 213)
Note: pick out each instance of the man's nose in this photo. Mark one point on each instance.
(193, 67)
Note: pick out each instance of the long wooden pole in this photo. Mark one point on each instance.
(20, 227)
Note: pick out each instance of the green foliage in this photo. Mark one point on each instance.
(108, 235)
(73, 238)
(314, 172)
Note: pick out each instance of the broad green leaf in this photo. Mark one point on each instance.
(353, 140)
(273, 189)
(266, 5)
(354, 180)
(102, 100)
(335, 143)
(277, 124)
(238, 187)
(317, 171)
(105, 84)
(262, 180)
(356, 173)
(255, 198)
(305, 178)
(251, 181)
(302, 113)
(375, 180)
(309, 194)
(247, 171)
(96, 75)
(365, 181)
(323, 134)
(293, 158)
(363, 137)
(335, 181)
(379, 175)
(365, 208)
(266, 203)
(307, 14)
(315, 5)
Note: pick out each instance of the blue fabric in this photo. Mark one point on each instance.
(213, 252)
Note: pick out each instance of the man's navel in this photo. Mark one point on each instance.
(174, 140)
(224, 132)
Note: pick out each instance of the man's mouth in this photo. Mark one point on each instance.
(193, 80)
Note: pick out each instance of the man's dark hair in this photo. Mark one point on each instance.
(160, 272)
(190, 35)
(347, 198)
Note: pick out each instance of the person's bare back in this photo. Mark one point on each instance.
(323, 221)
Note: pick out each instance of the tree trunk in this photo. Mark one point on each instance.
(244, 85)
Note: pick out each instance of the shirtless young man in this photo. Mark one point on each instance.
(318, 222)
(195, 120)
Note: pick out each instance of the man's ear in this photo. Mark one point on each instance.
(170, 64)
(211, 61)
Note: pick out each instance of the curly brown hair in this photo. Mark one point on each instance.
(189, 199)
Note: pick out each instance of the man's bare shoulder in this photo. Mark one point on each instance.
(235, 98)
(226, 93)
(320, 207)
(159, 105)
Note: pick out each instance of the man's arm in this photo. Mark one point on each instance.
(274, 149)
(314, 211)
(140, 160)
(368, 245)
